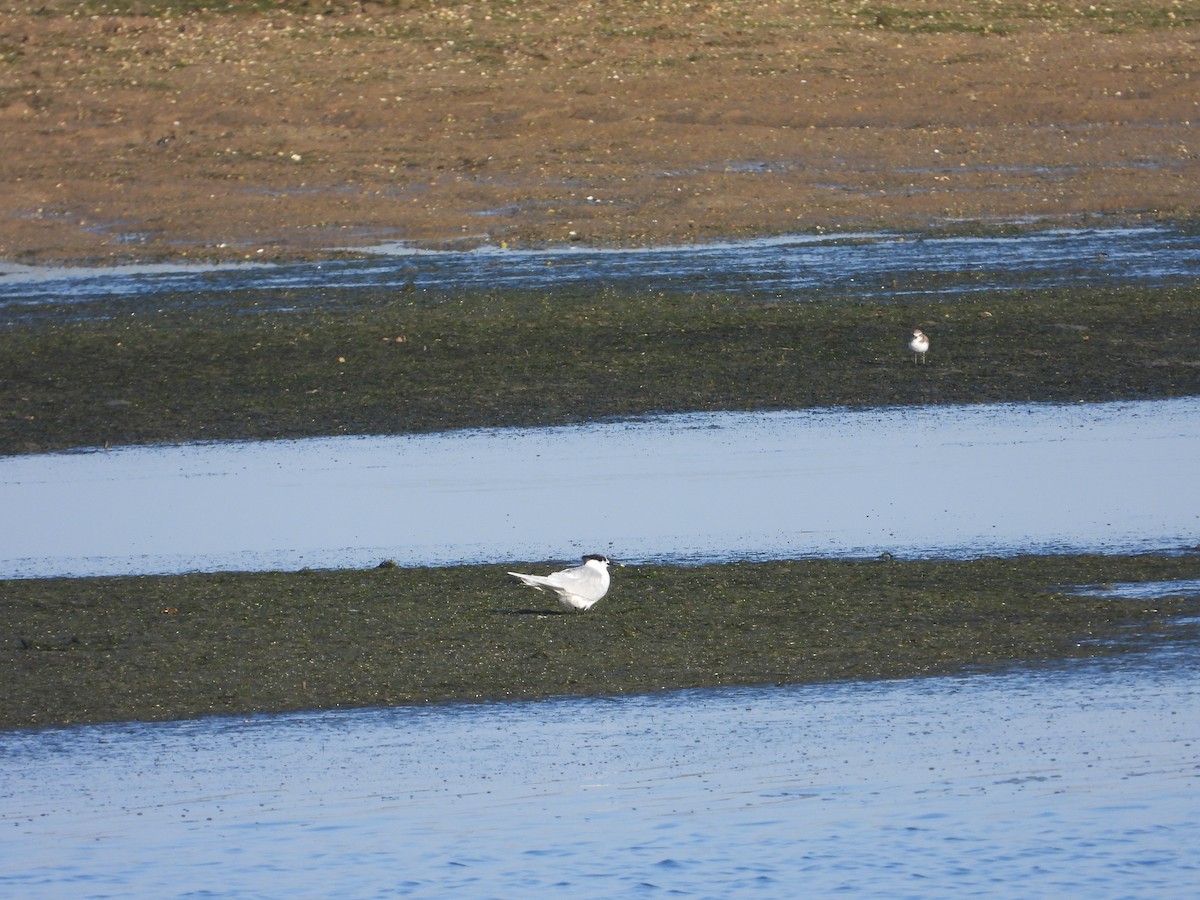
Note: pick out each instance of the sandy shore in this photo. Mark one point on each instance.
(289, 132)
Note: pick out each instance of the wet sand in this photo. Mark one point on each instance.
(280, 134)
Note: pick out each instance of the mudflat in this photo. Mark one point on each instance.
(380, 361)
(139, 129)
(154, 129)
(111, 649)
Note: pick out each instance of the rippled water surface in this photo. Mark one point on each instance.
(876, 264)
(1144, 590)
(1072, 781)
(936, 481)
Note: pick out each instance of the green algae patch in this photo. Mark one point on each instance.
(291, 364)
(168, 647)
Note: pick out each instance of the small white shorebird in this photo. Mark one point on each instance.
(919, 345)
(578, 588)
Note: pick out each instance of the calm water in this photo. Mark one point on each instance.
(936, 481)
(1071, 781)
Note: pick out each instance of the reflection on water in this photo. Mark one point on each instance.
(880, 265)
(1143, 590)
(1064, 781)
(934, 481)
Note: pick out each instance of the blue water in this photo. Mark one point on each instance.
(1143, 590)
(948, 481)
(1073, 780)
(879, 265)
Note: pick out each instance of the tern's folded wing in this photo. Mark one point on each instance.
(571, 578)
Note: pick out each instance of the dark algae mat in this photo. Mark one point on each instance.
(168, 647)
(291, 364)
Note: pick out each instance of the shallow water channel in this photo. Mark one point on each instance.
(874, 264)
(1077, 780)
(935, 481)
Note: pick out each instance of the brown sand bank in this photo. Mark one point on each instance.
(135, 130)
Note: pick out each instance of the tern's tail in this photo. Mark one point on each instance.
(534, 581)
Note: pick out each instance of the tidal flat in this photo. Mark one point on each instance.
(329, 361)
(91, 650)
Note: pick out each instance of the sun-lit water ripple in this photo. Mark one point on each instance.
(1068, 780)
(876, 264)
